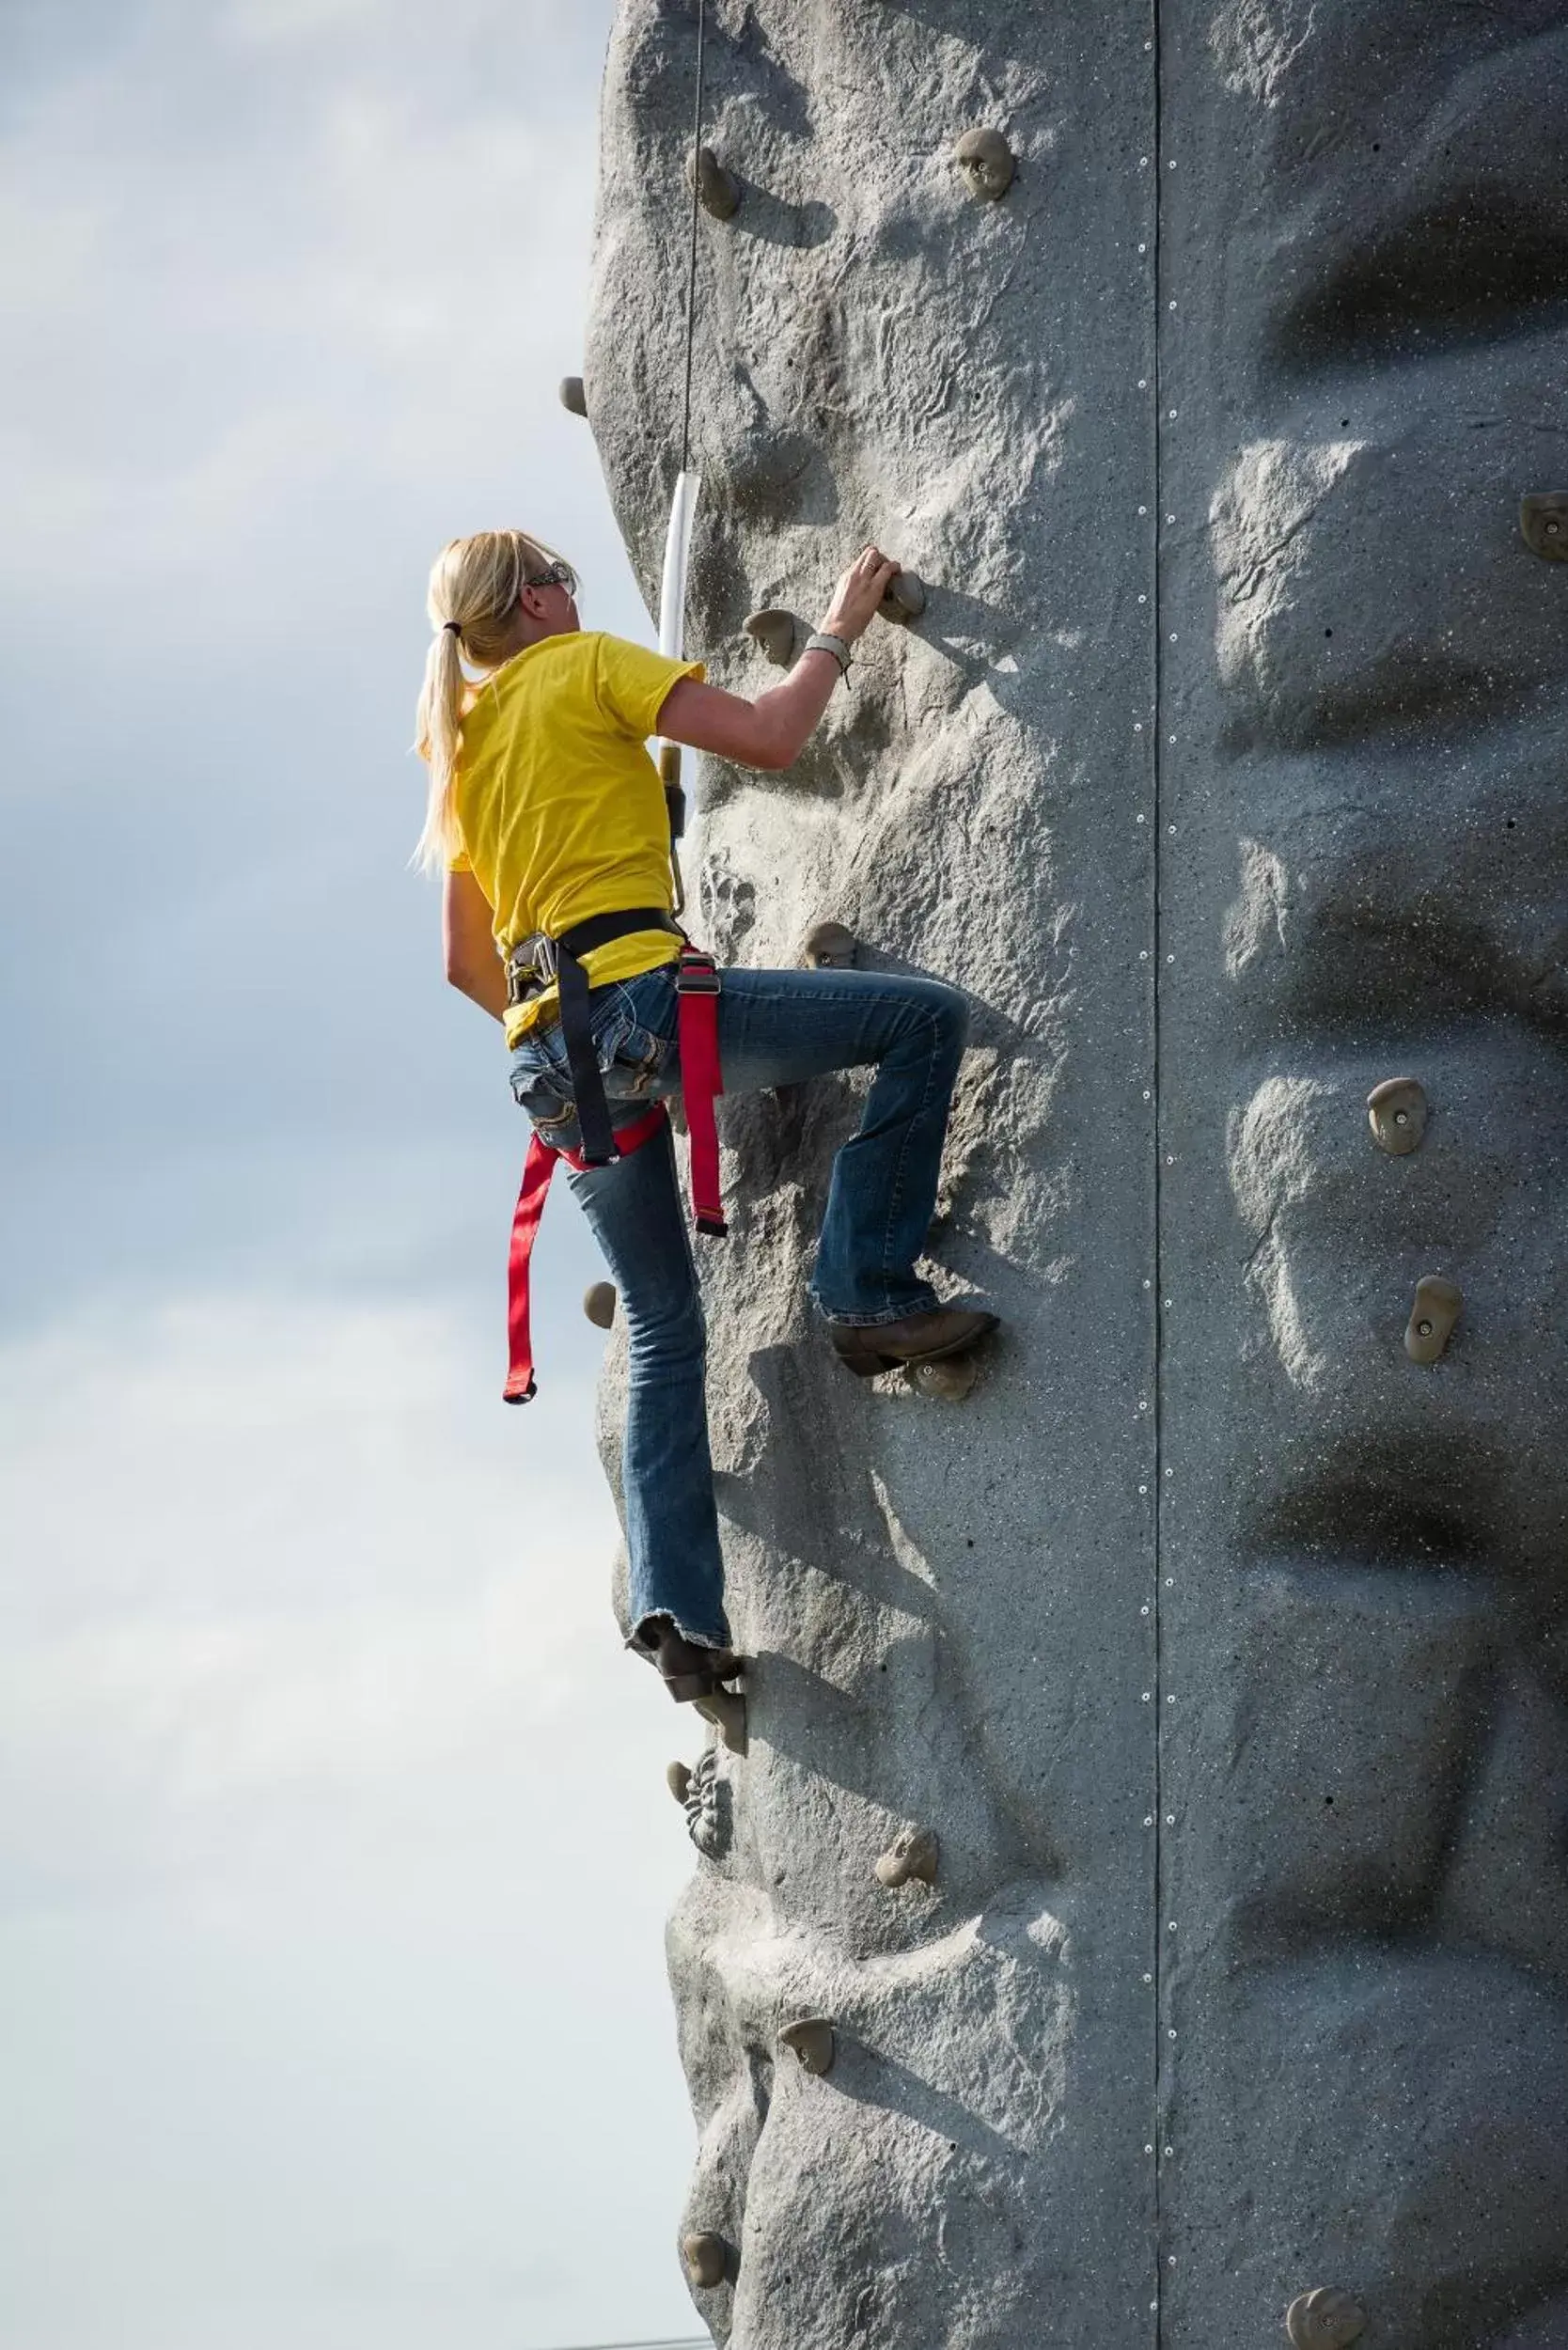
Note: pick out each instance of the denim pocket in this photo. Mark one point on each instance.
(631, 1057)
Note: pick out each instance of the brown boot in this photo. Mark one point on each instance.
(687, 1671)
(867, 1349)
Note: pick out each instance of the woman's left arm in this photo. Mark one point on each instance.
(468, 938)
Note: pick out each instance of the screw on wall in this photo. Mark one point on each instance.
(905, 599)
(1433, 1318)
(910, 1856)
(777, 631)
(948, 1380)
(727, 1712)
(1325, 2320)
(706, 2259)
(987, 163)
(1396, 1112)
(1544, 520)
(814, 2040)
(718, 191)
(829, 947)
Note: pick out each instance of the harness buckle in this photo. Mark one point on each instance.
(531, 966)
(697, 978)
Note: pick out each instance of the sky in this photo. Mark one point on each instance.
(335, 1847)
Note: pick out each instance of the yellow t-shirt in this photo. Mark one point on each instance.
(559, 809)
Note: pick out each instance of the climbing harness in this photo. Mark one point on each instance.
(539, 962)
(697, 987)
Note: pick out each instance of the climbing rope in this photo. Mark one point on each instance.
(691, 258)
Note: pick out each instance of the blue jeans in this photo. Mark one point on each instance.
(775, 1029)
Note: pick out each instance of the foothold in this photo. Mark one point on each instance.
(717, 191)
(775, 631)
(706, 2257)
(709, 1816)
(727, 1712)
(948, 1380)
(1325, 2320)
(987, 163)
(829, 947)
(1431, 1318)
(574, 397)
(1396, 1112)
(911, 1856)
(905, 599)
(599, 1303)
(678, 1779)
(814, 2042)
(1544, 520)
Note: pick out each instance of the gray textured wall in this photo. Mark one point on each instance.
(1220, 1643)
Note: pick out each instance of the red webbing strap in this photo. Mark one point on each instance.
(701, 1080)
(538, 1169)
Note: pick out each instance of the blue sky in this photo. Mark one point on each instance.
(331, 1968)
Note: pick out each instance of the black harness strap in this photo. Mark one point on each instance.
(530, 967)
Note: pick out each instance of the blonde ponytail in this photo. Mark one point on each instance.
(474, 587)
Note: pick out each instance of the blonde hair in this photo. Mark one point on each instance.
(475, 584)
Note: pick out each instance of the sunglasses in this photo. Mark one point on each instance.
(558, 575)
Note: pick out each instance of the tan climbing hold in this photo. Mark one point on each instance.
(814, 2040)
(905, 599)
(1544, 520)
(987, 164)
(775, 631)
(717, 191)
(678, 1779)
(910, 1857)
(727, 1712)
(1325, 2320)
(706, 2257)
(574, 397)
(947, 1380)
(829, 947)
(599, 1302)
(1431, 1318)
(1396, 1112)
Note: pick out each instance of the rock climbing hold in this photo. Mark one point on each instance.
(829, 947)
(1325, 2320)
(813, 2041)
(1544, 520)
(1396, 1112)
(775, 631)
(717, 191)
(599, 1304)
(905, 599)
(678, 1779)
(948, 1380)
(912, 1855)
(987, 164)
(1431, 1318)
(727, 1712)
(706, 2257)
(574, 397)
(709, 1819)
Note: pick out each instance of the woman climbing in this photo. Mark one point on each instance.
(549, 821)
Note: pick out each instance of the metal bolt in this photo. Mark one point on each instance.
(1170, 415)
(1170, 2149)
(1171, 2033)
(1143, 509)
(1143, 1489)
(1148, 1822)
(1173, 636)
(1143, 952)
(1143, 248)
(1146, 1696)
(1172, 305)
(1425, 1329)
(1170, 1700)
(1143, 163)
(1144, 1610)
(1170, 1819)
(1141, 820)
(1149, 1979)
(1137, 726)
(1143, 383)
(1171, 518)
(1143, 599)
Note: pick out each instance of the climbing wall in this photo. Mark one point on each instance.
(1200, 1681)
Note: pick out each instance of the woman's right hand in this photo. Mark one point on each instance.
(857, 595)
